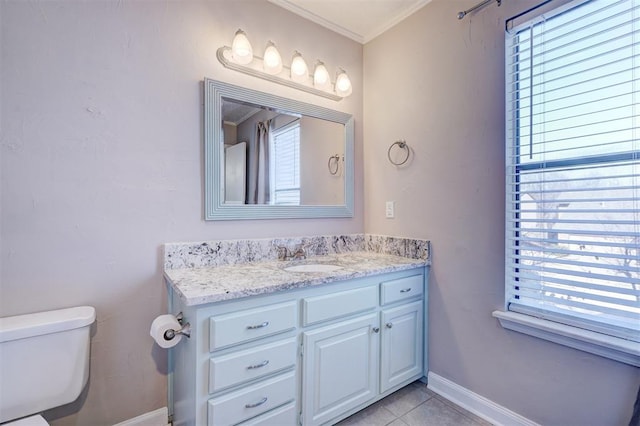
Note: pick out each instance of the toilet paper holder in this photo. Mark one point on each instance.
(185, 330)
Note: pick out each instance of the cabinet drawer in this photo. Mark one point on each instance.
(252, 401)
(283, 416)
(402, 288)
(329, 306)
(239, 327)
(229, 370)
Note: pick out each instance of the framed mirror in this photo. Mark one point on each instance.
(269, 157)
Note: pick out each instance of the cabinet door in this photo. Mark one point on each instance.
(401, 345)
(340, 368)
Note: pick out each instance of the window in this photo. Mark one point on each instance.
(285, 164)
(573, 168)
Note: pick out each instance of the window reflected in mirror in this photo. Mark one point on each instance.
(280, 158)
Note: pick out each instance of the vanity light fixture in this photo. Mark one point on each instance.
(321, 79)
(241, 49)
(343, 84)
(272, 61)
(240, 57)
(299, 69)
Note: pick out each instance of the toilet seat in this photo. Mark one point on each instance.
(28, 421)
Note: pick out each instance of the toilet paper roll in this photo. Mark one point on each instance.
(160, 325)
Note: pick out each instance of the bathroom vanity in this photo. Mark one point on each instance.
(294, 343)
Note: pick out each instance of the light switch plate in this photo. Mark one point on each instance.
(390, 209)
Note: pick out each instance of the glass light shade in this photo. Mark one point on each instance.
(272, 61)
(343, 84)
(241, 49)
(321, 79)
(299, 69)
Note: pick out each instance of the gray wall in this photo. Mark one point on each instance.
(101, 145)
(320, 140)
(438, 83)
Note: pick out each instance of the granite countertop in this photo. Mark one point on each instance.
(196, 286)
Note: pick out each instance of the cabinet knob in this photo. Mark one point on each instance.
(389, 324)
(376, 329)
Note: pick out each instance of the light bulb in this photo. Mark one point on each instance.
(343, 84)
(321, 78)
(241, 49)
(272, 60)
(299, 70)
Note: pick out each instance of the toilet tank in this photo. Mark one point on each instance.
(44, 360)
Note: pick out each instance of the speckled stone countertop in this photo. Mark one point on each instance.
(201, 285)
(213, 271)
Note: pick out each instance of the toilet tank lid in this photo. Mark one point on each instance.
(30, 325)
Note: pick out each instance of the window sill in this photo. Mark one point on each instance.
(614, 348)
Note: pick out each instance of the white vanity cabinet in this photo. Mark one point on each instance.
(401, 344)
(308, 356)
(239, 366)
(402, 330)
(340, 368)
(351, 362)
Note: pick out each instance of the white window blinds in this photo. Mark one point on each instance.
(286, 164)
(573, 167)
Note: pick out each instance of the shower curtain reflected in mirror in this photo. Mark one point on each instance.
(258, 192)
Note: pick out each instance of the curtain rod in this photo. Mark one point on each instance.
(477, 6)
(531, 9)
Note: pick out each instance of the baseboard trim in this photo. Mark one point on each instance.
(471, 401)
(157, 417)
(477, 404)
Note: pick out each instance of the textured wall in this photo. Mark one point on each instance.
(438, 83)
(101, 143)
(319, 141)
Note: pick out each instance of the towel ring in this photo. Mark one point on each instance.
(337, 162)
(403, 145)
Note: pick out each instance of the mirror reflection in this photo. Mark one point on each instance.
(270, 157)
(280, 158)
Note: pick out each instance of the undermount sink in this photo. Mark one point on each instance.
(313, 267)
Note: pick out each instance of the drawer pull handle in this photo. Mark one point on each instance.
(262, 364)
(257, 404)
(405, 290)
(253, 327)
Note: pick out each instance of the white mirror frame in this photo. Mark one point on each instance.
(214, 206)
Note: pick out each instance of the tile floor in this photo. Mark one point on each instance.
(414, 405)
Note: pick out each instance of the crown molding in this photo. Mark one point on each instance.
(360, 38)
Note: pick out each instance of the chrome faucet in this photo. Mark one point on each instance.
(298, 253)
(283, 253)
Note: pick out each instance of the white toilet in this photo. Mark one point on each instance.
(44, 362)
